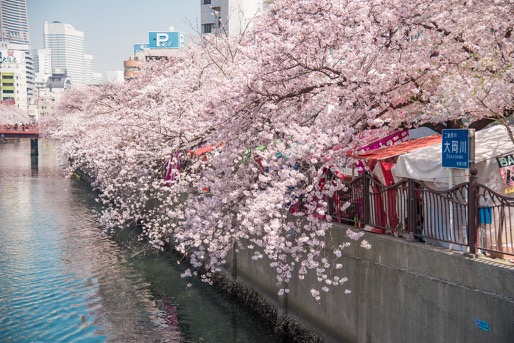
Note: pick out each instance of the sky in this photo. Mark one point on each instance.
(112, 27)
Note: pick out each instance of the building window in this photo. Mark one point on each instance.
(206, 2)
(207, 28)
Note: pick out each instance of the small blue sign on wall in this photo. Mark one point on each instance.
(482, 325)
(455, 148)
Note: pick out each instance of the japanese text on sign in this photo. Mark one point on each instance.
(455, 148)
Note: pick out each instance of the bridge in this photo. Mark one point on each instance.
(22, 131)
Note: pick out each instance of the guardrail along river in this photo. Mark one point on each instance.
(62, 281)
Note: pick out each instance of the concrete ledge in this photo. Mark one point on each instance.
(401, 291)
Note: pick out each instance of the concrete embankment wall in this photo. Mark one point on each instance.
(401, 291)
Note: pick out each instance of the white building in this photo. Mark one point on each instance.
(67, 47)
(45, 102)
(14, 36)
(115, 76)
(13, 78)
(42, 67)
(48, 97)
(97, 78)
(229, 17)
(14, 27)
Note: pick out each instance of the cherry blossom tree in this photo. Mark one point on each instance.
(280, 105)
(10, 114)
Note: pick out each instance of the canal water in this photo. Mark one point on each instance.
(62, 281)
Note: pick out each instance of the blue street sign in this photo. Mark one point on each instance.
(455, 148)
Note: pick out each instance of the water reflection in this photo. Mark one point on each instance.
(34, 165)
(61, 281)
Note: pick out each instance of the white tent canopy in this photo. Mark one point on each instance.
(425, 164)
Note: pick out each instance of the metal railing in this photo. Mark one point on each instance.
(464, 217)
(495, 220)
(346, 206)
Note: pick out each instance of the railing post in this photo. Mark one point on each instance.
(472, 209)
(411, 208)
(365, 199)
(330, 206)
(472, 195)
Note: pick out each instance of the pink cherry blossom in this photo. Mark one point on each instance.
(278, 106)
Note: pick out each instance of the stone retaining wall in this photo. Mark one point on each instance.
(401, 291)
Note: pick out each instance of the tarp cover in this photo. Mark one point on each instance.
(425, 164)
(399, 149)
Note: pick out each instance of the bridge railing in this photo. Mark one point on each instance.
(19, 128)
(495, 222)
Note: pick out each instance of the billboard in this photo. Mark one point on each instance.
(11, 57)
(165, 40)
